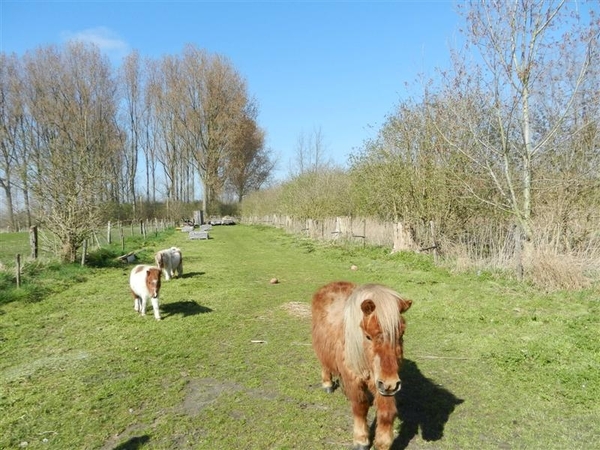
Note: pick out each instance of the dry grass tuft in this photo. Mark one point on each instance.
(552, 272)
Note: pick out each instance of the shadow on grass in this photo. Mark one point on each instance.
(185, 308)
(422, 404)
(133, 443)
(192, 274)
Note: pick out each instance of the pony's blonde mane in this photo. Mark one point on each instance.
(387, 313)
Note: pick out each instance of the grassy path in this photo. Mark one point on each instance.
(489, 364)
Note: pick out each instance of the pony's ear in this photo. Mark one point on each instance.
(367, 306)
(404, 304)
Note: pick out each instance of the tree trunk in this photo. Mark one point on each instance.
(9, 202)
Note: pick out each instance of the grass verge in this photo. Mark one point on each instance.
(489, 363)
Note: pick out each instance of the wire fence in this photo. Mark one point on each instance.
(37, 243)
(367, 231)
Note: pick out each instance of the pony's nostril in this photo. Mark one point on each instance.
(388, 389)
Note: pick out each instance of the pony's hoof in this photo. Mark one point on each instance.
(361, 447)
(332, 387)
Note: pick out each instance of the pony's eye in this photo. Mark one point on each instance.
(368, 337)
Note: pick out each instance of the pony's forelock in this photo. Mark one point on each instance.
(387, 313)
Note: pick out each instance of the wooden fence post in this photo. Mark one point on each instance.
(364, 233)
(18, 270)
(108, 234)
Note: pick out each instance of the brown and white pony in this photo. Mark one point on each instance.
(357, 334)
(170, 261)
(144, 282)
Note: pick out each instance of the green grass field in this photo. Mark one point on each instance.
(490, 364)
(12, 244)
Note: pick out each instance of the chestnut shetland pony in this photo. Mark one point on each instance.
(144, 282)
(357, 335)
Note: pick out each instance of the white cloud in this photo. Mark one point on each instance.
(107, 40)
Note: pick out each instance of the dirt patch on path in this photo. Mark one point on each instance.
(57, 362)
(201, 393)
(297, 309)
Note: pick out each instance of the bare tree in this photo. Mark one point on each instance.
(150, 130)
(133, 91)
(11, 112)
(72, 99)
(62, 141)
(310, 153)
(198, 105)
(249, 163)
(214, 106)
(506, 117)
(163, 91)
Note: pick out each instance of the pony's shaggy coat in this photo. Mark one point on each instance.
(357, 336)
(170, 260)
(144, 282)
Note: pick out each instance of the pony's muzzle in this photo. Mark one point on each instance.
(388, 389)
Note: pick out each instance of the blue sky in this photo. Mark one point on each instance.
(340, 67)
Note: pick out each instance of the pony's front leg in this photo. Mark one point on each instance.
(326, 382)
(361, 430)
(386, 413)
(155, 308)
(143, 305)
